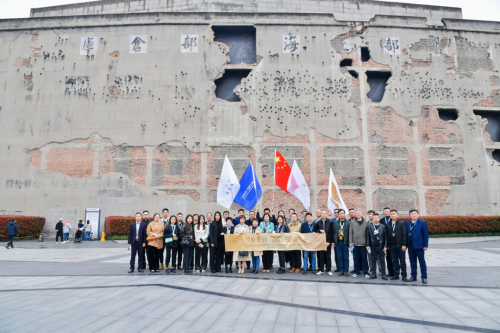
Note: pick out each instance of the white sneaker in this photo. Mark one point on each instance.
(197, 271)
(202, 271)
(354, 275)
(367, 276)
(330, 273)
(320, 273)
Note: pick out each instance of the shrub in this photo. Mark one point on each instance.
(118, 225)
(27, 225)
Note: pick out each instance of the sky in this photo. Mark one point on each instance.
(483, 10)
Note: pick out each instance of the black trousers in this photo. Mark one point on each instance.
(378, 253)
(398, 260)
(59, 234)
(325, 259)
(335, 256)
(201, 257)
(136, 249)
(228, 259)
(390, 268)
(171, 252)
(281, 256)
(153, 257)
(267, 259)
(188, 257)
(295, 261)
(216, 256)
(180, 251)
(161, 254)
(145, 258)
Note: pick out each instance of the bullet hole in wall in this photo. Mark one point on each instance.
(226, 84)
(241, 41)
(493, 125)
(346, 62)
(377, 82)
(448, 114)
(354, 74)
(365, 54)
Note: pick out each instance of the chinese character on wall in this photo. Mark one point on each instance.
(391, 45)
(189, 43)
(88, 46)
(138, 44)
(291, 43)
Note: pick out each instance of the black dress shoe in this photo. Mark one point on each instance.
(256, 271)
(352, 271)
(412, 279)
(252, 271)
(424, 281)
(390, 275)
(395, 277)
(140, 270)
(384, 277)
(314, 271)
(227, 270)
(230, 269)
(173, 270)
(131, 270)
(405, 279)
(336, 270)
(373, 277)
(304, 271)
(213, 271)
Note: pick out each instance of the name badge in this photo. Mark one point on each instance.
(378, 238)
(375, 232)
(393, 234)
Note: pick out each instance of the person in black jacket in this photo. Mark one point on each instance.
(145, 220)
(384, 221)
(281, 228)
(137, 242)
(59, 230)
(323, 225)
(215, 239)
(228, 256)
(180, 224)
(187, 236)
(12, 231)
(377, 244)
(172, 236)
(397, 240)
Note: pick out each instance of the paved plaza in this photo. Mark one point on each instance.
(48, 287)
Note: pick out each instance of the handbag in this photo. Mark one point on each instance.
(169, 240)
(243, 253)
(152, 238)
(185, 241)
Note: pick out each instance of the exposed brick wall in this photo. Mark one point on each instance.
(282, 201)
(138, 163)
(492, 101)
(175, 165)
(130, 161)
(239, 156)
(352, 199)
(393, 166)
(346, 163)
(439, 168)
(386, 126)
(435, 200)
(433, 130)
(36, 157)
(401, 200)
(74, 162)
(300, 154)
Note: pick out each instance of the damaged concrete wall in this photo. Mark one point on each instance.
(122, 114)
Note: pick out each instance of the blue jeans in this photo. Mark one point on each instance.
(66, 235)
(11, 240)
(255, 262)
(414, 253)
(87, 235)
(342, 254)
(360, 260)
(313, 258)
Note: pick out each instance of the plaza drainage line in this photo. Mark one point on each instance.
(299, 306)
(409, 284)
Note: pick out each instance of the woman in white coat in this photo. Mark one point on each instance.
(238, 256)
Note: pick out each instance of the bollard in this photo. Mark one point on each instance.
(103, 237)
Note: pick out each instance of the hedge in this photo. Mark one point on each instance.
(119, 225)
(27, 225)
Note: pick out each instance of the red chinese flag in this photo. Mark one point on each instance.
(281, 171)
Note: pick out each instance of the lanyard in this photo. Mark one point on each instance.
(376, 227)
(310, 227)
(342, 225)
(413, 226)
(393, 226)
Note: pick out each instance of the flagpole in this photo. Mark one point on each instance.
(274, 176)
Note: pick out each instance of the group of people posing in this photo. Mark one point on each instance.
(174, 242)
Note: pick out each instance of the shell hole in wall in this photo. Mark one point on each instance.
(448, 114)
(496, 155)
(354, 74)
(493, 125)
(377, 82)
(241, 40)
(224, 87)
(346, 63)
(365, 54)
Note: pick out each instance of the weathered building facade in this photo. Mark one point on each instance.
(127, 105)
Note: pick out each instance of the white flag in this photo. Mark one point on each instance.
(334, 198)
(298, 187)
(228, 185)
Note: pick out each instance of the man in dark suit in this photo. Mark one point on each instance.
(228, 256)
(339, 233)
(384, 221)
(376, 237)
(397, 241)
(145, 221)
(137, 240)
(180, 224)
(418, 242)
(323, 226)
